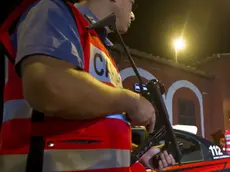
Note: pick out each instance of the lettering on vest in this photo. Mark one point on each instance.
(102, 68)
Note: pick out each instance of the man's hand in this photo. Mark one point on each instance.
(143, 113)
(165, 159)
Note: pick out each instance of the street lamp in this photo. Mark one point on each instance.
(179, 44)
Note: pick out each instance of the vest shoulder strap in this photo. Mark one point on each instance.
(81, 23)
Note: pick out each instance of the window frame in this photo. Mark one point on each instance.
(194, 141)
(184, 116)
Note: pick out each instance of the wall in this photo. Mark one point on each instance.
(220, 89)
(178, 84)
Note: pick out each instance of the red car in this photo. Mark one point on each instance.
(198, 154)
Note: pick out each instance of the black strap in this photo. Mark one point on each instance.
(3, 55)
(37, 145)
(2, 81)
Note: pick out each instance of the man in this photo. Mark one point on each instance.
(66, 73)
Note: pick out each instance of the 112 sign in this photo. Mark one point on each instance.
(216, 151)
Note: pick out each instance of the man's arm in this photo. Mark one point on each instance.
(48, 53)
(54, 87)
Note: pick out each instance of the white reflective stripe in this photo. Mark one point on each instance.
(70, 160)
(16, 109)
(220, 157)
(118, 116)
(228, 143)
(20, 109)
(13, 163)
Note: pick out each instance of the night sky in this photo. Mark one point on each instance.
(204, 24)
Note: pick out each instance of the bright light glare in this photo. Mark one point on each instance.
(179, 44)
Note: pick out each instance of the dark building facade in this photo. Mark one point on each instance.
(194, 96)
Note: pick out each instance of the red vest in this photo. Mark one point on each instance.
(93, 145)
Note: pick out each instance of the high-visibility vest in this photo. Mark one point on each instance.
(94, 145)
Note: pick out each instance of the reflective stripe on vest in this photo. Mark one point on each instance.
(70, 160)
(16, 109)
(20, 109)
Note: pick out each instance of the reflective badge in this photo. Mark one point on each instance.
(101, 67)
